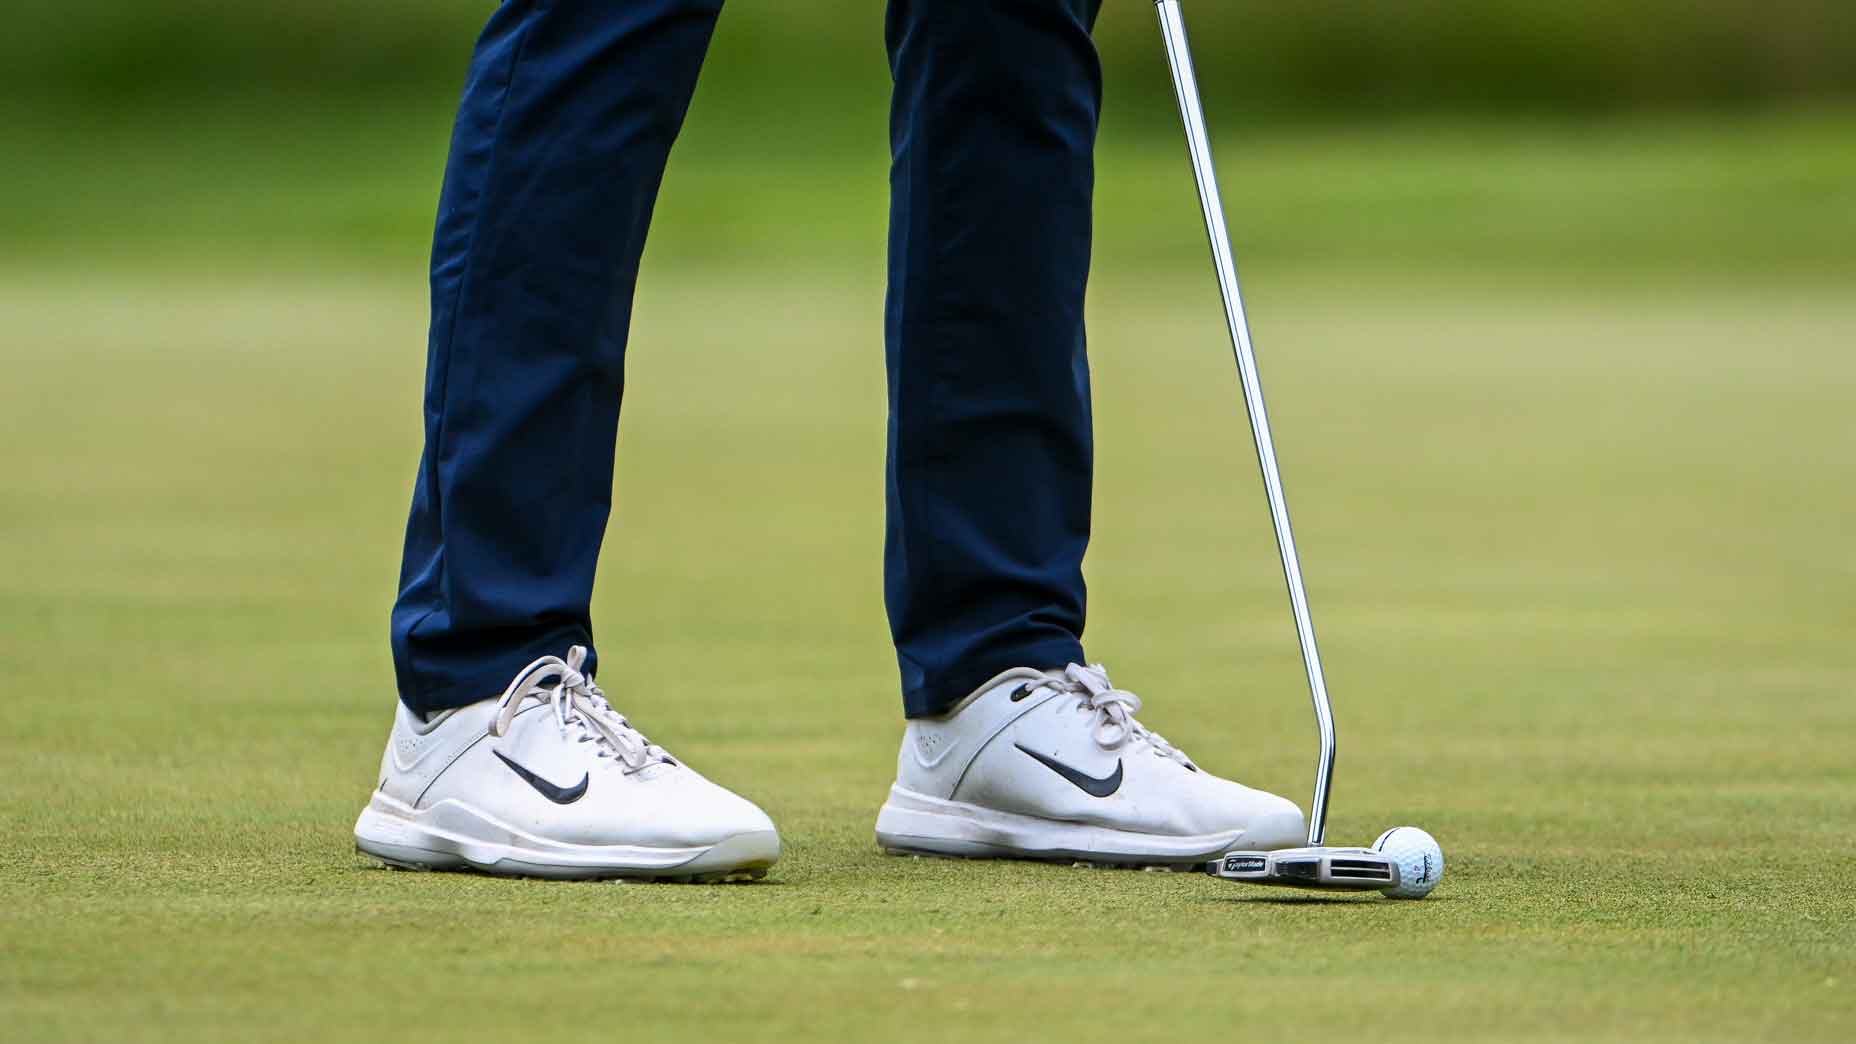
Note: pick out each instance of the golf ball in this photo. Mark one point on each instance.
(1420, 861)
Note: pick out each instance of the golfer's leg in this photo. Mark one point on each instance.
(561, 141)
(990, 455)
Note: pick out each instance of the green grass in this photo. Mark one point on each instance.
(1578, 538)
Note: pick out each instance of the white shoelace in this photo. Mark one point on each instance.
(578, 703)
(1114, 726)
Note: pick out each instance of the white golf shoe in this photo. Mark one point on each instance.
(1053, 765)
(551, 781)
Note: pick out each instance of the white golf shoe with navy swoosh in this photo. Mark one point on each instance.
(550, 781)
(1053, 765)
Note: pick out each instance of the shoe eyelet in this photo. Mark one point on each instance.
(1021, 692)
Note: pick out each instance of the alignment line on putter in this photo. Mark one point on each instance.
(1346, 869)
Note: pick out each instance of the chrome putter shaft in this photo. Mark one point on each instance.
(1198, 142)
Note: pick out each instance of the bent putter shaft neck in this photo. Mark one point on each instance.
(1198, 143)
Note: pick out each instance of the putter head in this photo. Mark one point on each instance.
(1331, 869)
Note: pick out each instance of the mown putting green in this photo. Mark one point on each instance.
(1579, 551)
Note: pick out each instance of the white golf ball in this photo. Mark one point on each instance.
(1420, 861)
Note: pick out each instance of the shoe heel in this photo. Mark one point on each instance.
(399, 844)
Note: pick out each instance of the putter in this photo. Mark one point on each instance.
(1317, 866)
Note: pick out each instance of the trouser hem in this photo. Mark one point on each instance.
(489, 676)
(940, 695)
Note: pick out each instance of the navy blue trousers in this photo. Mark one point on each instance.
(561, 140)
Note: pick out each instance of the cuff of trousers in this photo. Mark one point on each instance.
(940, 694)
(490, 674)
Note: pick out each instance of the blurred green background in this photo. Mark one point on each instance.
(1319, 56)
(1556, 304)
(1641, 132)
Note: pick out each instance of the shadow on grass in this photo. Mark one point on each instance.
(370, 867)
(1362, 900)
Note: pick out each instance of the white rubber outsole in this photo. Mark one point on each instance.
(454, 836)
(916, 824)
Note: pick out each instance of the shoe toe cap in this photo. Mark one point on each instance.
(708, 814)
(1263, 820)
(1276, 822)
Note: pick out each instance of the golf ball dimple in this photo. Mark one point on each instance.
(1420, 861)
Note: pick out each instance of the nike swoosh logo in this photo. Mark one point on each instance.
(558, 795)
(1084, 782)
